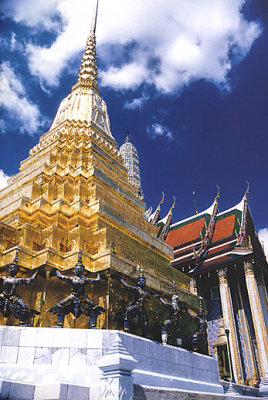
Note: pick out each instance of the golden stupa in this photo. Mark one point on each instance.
(73, 193)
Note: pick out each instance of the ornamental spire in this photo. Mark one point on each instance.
(84, 104)
(242, 232)
(206, 240)
(155, 217)
(88, 70)
(165, 223)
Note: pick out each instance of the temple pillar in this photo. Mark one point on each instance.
(229, 321)
(262, 291)
(193, 287)
(247, 343)
(257, 315)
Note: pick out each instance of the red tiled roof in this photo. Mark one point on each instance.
(223, 228)
(185, 233)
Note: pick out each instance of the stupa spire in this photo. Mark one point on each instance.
(84, 104)
(94, 19)
(88, 70)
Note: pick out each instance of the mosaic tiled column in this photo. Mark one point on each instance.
(257, 315)
(246, 340)
(229, 321)
(263, 292)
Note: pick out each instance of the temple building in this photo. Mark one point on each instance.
(77, 191)
(221, 253)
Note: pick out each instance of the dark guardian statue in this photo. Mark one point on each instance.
(77, 302)
(10, 302)
(199, 338)
(171, 329)
(137, 308)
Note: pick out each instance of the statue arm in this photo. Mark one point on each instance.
(126, 284)
(26, 281)
(61, 277)
(157, 296)
(93, 280)
(166, 303)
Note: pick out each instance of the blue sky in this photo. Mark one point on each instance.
(188, 79)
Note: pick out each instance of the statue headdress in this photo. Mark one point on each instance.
(79, 262)
(174, 288)
(141, 276)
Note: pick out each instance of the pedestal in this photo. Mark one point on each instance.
(117, 366)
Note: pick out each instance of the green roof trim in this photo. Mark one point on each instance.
(161, 226)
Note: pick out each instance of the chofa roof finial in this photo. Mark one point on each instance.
(195, 205)
(247, 190)
(218, 193)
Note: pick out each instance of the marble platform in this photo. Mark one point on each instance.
(70, 360)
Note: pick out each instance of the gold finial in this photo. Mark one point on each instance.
(247, 191)
(218, 194)
(195, 205)
(173, 205)
(161, 202)
(127, 137)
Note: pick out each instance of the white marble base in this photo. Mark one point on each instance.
(68, 361)
(39, 355)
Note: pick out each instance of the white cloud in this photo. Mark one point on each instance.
(3, 179)
(15, 45)
(14, 100)
(169, 43)
(263, 237)
(33, 13)
(130, 76)
(48, 62)
(136, 103)
(156, 130)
